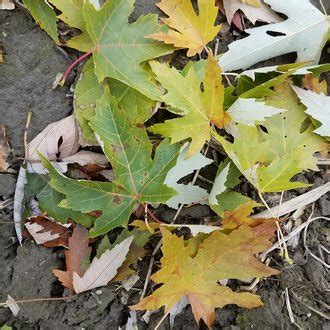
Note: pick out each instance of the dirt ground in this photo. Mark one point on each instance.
(31, 64)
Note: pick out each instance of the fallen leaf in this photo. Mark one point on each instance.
(251, 111)
(187, 193)
(7, 4)
(253, 12)
(88, 90)
(139, 178)
(136, 251)
(187, 29)
(234, 219)
(57, 141)
(12, 305)
(270, 159)
(119, 55)
(4, 150)
(85, 157)
(101, 271)
(49, 199)
(314, 84)
(196, 276)
(199, 109)
(44, 15)
(305, 32)
(318, 107)
(47, 232)
(76, 258)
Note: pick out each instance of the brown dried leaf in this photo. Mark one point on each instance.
(48, 232)
(76, 257)
(4, 150)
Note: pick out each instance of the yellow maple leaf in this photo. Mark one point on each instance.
(199, 108)
(194, 274)
(187, 30)
(233, 219)
(252, 3)
(314, 84)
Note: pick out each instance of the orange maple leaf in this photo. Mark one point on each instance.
(196, 276)
(75, 257)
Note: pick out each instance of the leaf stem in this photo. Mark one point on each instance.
(72, 65)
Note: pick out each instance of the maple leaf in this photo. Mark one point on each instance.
(44, 15)
(76, 258)
(253, 10)
(233, 219)
(269, 160)
(47, 232)
(119, 55)
(136, 251)
(48, 200)
(221, 197)
(305, 32)
(318, 106)
(188, 30)
(187, 193)
(88, 90)
(102, 270)
(196, 276)
(199, 108)
(138, 177)
(314, 84)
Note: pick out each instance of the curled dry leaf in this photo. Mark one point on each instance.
(254, 12)
(47, 232)
(57, 141)
(4, 150)
(76, 258)
(102, 270)
(7, 5)
(12, 305)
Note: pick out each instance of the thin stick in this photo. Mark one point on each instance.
(146, 282)
(323, 8)
(288, 305)
(40, 299)
(289, 236)
(162, 320)
(26, 130)
(285, 249)
(307, 248)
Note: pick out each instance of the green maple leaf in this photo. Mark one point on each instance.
(270, 160)
(88, 90)
(199, 108)
(120, 47)
(48, 200)
(139, 178)
(72, 14)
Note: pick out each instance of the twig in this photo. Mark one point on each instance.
(288, 305)
(296, 203)
(162, 320)
(281, 238)
(327, 317)
(26, 130)
(146, 282)
(323, 8)
(289, 236)
(40, 299)
(306, 247)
